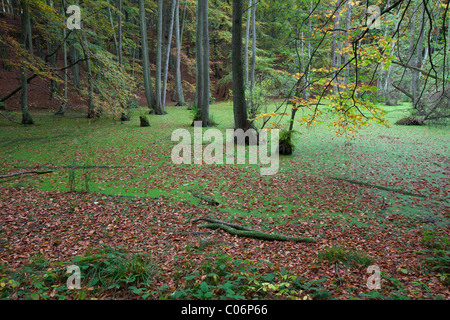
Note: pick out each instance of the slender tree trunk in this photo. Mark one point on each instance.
(116, 45)
(239, 102)
(166, 66)
(5, 59)
(199, 57)
(348, 26)
(87, 55)
(252, 74)
(247, 40)
(120, 34)
(145, 59)
(62, 109)
(308, 75)
(74, 56)
(30, 33)
(26, 117)
(335, 45)
(179, 86)
(419, 58)
(205, 64)
(159, 57)
(411, 53)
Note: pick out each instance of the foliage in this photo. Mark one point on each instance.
(438, 255)
(347, 257)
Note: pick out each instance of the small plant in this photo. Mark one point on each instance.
(195, 112)
(286, 143)
(114, 268)
(411, 120)
(438, 257)
(347, 257)
(72, 175)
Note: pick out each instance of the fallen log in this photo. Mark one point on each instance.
(210, 201)
(232, 225)
(24, 172)
(255, 234)
(365, 184)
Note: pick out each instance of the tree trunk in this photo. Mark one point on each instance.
(74, 56)
(252, 74)
(247, 40)
(419, 59)
(87, 55)
(205, 64)
(411, 53)
(179, 86)
(116, 45)
(255, 234)
(145, 59)
(158, 109)
(120, 34)
(335, 56)
(199, 58)
(62, 110)
(239, 102)
(166, 66)
(26, 117)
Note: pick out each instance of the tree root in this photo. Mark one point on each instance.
(364, 184)
(249, 233)
(24, 172)
(210, 201)
(232, 225)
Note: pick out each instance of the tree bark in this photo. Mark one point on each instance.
(247, 40)
(120, 34)
(26, 117)
(168, 47)
(62, 109)
(259, 235)
(116, 44)
(239, 102)
(199, 57)
(74, 55)
(419, 59)
(205, 65)
(158, 109)
(178, 83)
(252, 73)
(145, 58)
(87, 55)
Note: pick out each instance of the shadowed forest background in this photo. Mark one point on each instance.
(360, 94)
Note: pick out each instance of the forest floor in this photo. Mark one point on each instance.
(116, 206)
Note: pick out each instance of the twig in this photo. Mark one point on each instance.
(24, 172)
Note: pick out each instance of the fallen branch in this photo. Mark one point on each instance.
(9, 119)
(232, 225)
(255, 234)
(24, 172)
(364, 184)
(211, 201)
(81, 167)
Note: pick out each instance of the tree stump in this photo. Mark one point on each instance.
(144, 121)
(124, 117)
(285, 148)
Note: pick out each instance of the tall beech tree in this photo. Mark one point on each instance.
(148, 88)
(25, 40)
(239, 102)
(202, 60)
(178, 41)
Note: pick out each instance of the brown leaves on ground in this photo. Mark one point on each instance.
(61, 225)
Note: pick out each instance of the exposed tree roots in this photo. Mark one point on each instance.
(249, 233)
(379, 187)
(24, 172)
